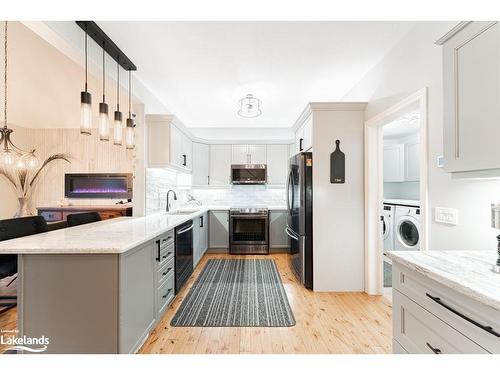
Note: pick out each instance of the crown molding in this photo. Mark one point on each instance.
(450, 34)
(327, 106)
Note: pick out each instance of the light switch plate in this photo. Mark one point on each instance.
(440, 161)
(446, 215)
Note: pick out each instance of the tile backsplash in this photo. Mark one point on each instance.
(159, 181)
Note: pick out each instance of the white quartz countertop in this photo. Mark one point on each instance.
(468, 272)
(113, 236)
(402, 202)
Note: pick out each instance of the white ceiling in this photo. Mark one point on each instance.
(199, 70)
(404, 126)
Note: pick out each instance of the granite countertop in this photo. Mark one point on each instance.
(468, 272)
(112, 236)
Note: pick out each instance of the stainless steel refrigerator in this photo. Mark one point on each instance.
(299, 198)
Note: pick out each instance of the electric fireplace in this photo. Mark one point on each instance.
(98, 185)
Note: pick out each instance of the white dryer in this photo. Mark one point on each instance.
(407, 228)
(388, 227)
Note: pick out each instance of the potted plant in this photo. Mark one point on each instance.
(24, 182)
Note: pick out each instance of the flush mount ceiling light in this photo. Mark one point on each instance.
(12, 156)
(249, 106)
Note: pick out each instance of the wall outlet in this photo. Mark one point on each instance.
(446, 215)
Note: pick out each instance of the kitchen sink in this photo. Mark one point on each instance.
(183, 212)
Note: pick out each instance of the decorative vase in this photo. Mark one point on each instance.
(24, 208)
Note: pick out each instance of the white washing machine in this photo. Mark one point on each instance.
(388, 227)
(407, 228)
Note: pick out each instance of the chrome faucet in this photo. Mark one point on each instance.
(175, 198)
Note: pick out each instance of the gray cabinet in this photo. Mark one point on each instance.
(220, 165)
(200, 237)
(471, 76)
(137, 297)
(219, 229)
(277, 235)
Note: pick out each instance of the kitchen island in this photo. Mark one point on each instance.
(99, 287)
(445, 302)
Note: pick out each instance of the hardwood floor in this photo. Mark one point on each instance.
(8, 319)
(326, 323)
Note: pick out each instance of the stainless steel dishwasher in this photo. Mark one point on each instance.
(183, 254)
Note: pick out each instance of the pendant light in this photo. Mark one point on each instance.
(85, 102)
(118, 115)
(129, 131)
(12, 156)
(103, 107)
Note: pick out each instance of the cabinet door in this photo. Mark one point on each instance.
(187, 152)
(412, 161)
(219, 229)
(308, 129)
(277, 224)
(394, 163)
(471, 83)
(291, 150)
(137, 296)
(176, 142)
(204, 234)
(277, 164)
(158, 144)
(220, 164)
(196, 241)
(299, 140)
(257, 154)
(240, 154)
(201, 157)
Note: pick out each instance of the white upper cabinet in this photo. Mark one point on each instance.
(471, 80)
(394, 163)
(167, 145)
(248, 154)
(277, 164)
(303, 136)
(220, 164)
(201, 164)
(412, 161)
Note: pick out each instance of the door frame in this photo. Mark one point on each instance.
(373, 189)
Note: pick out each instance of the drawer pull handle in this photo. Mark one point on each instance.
(483, 327)
(434, 350)
(165, 295)
(159, 249)
(167, 271)
(166, 239)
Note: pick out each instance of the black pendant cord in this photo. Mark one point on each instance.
(5, 77)
(103, 75)
(118, 87)
(86, 57)
(129, 92)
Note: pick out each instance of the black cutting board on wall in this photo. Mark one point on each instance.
(337, 165)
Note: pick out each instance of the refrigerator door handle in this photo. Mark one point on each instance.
(303, 261)
(290, 234)
(288, 187)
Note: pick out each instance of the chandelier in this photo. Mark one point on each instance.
(12, 156)
(249, 106)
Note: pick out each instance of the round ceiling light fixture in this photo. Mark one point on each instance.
(249, 106)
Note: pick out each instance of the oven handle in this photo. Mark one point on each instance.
(291, 235)
(249, 216)
(184, 230)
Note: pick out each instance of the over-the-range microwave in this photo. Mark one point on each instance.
(249, 174)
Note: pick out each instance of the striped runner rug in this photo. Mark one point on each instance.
(236, 293)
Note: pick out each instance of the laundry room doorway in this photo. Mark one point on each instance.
(395, 187)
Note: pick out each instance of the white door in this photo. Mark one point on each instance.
(176, 142)
(412, 161)
(201, 157)
(187, 152)
(308, 129)
(277, 164)
(394, 167)
(220, 164)
(240, 154)
(299, 140)
(257, 154)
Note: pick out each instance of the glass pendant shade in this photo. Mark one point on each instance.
(118, 129)
(129, 134)
(8, 159)
(103, 122)
(86, 113)
(30, 161)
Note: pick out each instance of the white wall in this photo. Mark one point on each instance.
(414, 63)
(338, 210)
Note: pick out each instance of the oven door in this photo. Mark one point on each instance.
(249, 234)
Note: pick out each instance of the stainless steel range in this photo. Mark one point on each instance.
(249, 231)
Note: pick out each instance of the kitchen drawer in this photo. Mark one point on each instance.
(167, 239)
(420, 332)
(51, 215)
(450, 306)
(397, 348)
(165, 271)
(166, 254)
(165, 294)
